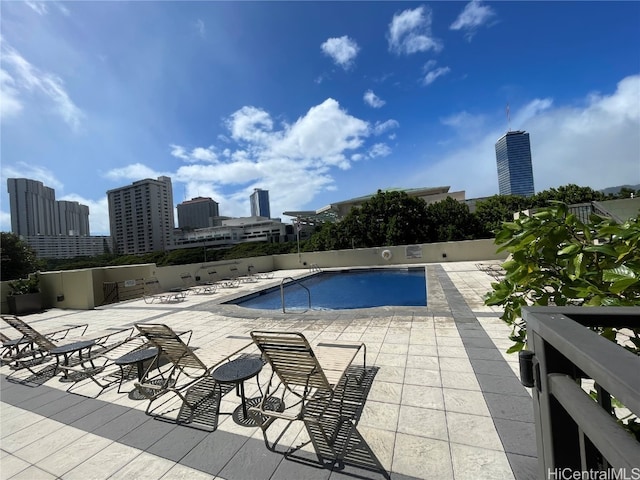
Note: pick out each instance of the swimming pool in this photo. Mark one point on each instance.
(346, 289)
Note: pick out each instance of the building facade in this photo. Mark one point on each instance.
(32, 207)
(72, 218)
(69, 246)
(141, 216)
(515, 170)
(260, 203)
(199, 212)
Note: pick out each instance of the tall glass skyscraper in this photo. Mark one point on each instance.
(260, 203)
(515, 172)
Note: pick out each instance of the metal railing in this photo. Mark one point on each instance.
(575, 432)
(293, 280)
(314, 268)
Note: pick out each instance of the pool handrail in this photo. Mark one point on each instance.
(293, 280)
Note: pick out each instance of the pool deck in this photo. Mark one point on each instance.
(443, 400)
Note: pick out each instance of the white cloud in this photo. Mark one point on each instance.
(10, 104)
(98, 212)
(379, 150)
(596, 144)
(380, 127)
(32, 172)
(250, 124)
(39, 7)
(433, 73)
(372, 99)
(136, 171)
(200, 28)
(342, 50)
(28, 77)
(198, 154)
(473, 16)
(410, 32)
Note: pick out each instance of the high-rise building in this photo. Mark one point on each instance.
(199, 212)
(32, 207)
(141, 216)
(35, 211)
(260, 203)
(515, 172)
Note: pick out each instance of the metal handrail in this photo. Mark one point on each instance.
(294, 281)
(315, 268)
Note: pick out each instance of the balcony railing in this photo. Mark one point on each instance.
(575, 432)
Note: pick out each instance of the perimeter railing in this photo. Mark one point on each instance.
(293, 280)
(581, 433)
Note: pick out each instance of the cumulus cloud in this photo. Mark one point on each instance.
(598, 139)
(472, 17)
(342, 50)
(32, 172)
(372, 99)
(410, 32)
(381, 127)
(26, 77)
(292, 160)
(433, 73)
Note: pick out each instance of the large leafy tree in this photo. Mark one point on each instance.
(450, 220)
(569, 194)
(17, 258)
(495, 210)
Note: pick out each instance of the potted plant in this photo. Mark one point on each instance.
(24, 295)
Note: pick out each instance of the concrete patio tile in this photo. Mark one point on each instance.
(49, 444)
(427, 378)
(423, 397)
(302, 465)
(397, 338)
(26, 436)
(104, 463)
(386, 392)
(214, 451)
(449, 351)
(510, 408)
(517, 437)
(422, 361)
(473, 463)
(181, 472)
(12, 465)
(391, 360)
(381, 442)
(429, 350)
(423, 422)
(465, 401)
(390, 374)
(69, 458)
(396, 348)
(450, 341)
(177, 443)
(415, 456)
(380, 415)
(503, 385)
(474, 430)
(32, 473)
(455, 364)
(253, 460)
(423, 338)
(144, 467)
(459, 380)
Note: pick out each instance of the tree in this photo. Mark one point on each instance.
(558, 260)
(570, 194)
(493, 211)
(17, 258)
(449, 220)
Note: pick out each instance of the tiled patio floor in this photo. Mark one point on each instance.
(444, 402)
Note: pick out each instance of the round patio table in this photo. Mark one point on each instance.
(236, 372)
(67, 351)
(138, 357)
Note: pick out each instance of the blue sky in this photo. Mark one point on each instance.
(315, 101)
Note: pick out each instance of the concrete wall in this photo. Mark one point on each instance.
(83, 289)
(469, 250)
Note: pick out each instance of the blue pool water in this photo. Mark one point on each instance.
(345, 290)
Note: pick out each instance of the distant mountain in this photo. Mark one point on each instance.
(609, 190)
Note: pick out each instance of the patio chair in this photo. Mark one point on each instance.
(15, 347)
(313, 375)
(46, 347)
(197, 287)
(153, 291)
(183, 362)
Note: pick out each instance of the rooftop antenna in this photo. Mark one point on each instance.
(508, 118)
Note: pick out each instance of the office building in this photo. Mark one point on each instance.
(199, 212)
(72, 218)
(515, 172)
(141, 216)
(69, 246)
(260, 203)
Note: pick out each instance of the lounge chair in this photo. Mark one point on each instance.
(183, 362)
(45, 347)
(153, 292)
(16, 347)
(197, 288)
(97, 367)
(313, 375)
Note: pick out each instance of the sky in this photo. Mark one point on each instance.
(316, 102)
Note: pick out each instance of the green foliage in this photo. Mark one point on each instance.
(493, 211)
(31, 284)
(17, 258)
(558, 260)
(450, 220)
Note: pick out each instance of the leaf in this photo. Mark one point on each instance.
(569, 249)
(516, 348)
(619, 273)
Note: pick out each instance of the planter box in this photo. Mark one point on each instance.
(25, 303)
